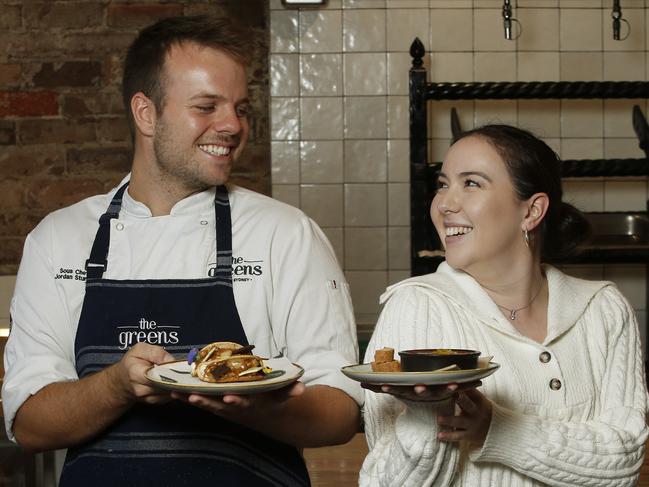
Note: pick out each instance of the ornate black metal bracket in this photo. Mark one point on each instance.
(422, 172)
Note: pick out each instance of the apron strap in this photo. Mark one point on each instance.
(97, 263)
(223, 234)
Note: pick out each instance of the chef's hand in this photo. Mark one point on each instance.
(127, 375)
(473, 421)
(243, 408)
(422, 393)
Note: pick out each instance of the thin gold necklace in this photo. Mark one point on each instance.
(512, 312)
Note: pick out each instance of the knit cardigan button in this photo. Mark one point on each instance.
(555, 384)
(545, 357)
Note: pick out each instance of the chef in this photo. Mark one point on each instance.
(171, 259)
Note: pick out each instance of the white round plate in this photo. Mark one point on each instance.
(363, 373)
(176, 376)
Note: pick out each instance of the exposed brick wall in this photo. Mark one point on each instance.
(63, 134)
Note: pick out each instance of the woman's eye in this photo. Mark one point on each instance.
(441, 185)
(471, 183)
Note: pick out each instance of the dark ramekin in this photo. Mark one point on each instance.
(424, 359)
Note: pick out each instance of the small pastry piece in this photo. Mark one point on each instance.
(384, 354)
(391, 366)
(384, 361)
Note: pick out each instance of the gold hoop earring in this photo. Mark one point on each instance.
(526, 237)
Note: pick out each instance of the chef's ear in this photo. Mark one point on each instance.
(144, 113)
(537, 207)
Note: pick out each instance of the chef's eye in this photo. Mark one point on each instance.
(471, 183)
(205, 108)
(244, 110)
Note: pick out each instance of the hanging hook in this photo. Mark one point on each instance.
(509, 20)
(616, 15)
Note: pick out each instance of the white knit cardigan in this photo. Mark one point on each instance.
(589, 432)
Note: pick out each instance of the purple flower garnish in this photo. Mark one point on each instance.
(191, 356)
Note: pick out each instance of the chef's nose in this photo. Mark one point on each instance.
(228, 120)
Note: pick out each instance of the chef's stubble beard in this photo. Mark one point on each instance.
(175, 167)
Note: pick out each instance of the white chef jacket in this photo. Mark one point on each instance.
(290, 292)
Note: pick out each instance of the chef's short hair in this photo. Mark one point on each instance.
(144, 64)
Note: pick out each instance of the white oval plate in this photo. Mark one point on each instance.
(363, 373)
(176, 376)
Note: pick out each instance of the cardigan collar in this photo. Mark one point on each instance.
(568, 298)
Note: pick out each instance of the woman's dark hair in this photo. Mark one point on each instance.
(143, 67)
(535, 168)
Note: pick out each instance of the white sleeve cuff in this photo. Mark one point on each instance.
(507, 435)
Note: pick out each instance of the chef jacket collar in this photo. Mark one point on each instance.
(198, 203)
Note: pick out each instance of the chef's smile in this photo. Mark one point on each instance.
(215, 149)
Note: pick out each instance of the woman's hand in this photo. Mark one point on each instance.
(472, 424)
(422, 393)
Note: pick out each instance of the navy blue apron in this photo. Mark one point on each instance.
(174, 444)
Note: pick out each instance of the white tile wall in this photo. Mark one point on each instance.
(366, 248)
(339, 109)
(321, 161)
(321, 74)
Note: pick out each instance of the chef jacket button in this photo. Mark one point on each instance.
(545, 357)
(119, 226)
(555, 384)
(203, 222)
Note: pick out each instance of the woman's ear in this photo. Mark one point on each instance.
(537, 207)
(144, 114)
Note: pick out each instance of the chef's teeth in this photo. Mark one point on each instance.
(450, 231)
(217, 150)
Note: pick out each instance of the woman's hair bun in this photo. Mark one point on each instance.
(566, 234)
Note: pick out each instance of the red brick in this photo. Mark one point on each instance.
(251, 13)
(29, 161)
(28, 103)
(52, 194)
(10, 74)
(56, 131)
(140, 15)
(12, 193)
(113, 129)
(93, 44)
(112, 70)
(111, 181)
(11, 250)
(22, 46)
(16, 223)
(92, 103)
(9, 270)
(251, 182)
(77, 15)
(252, 171)
(71, 73)
(10, 17)
(99, 160)
(7, 133)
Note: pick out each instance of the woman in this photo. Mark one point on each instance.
(567, 406)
